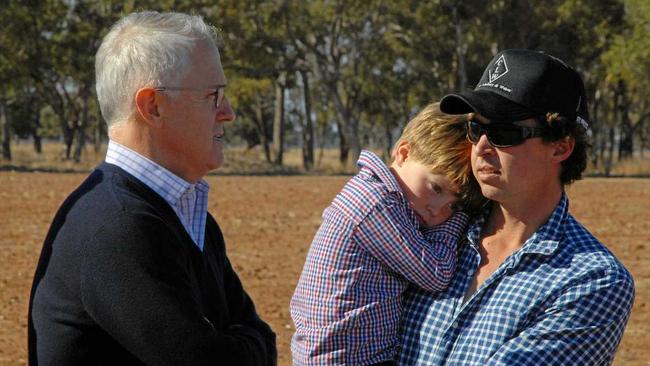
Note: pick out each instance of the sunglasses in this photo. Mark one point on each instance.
(218, 93)
(501, 134)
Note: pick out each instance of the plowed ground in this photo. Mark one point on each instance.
(269, 222)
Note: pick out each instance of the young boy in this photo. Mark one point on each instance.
(388, 227)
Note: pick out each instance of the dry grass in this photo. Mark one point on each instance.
(244, 161)
(638, 167)
(52, 158)
(238, 160)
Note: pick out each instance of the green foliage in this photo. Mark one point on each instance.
(629, 56)
(49, 124)
(370, 64)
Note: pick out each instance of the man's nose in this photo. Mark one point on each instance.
(483, 145)
(225, 112)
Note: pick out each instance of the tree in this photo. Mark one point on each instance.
(257, 48)
(628, 64)
(14, 75)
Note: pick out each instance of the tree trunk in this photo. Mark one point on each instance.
(6, 132)
(322, 130)
(278, 121)
(603, 135)
(38, 145)
(643, 144)
(610, 158)
(626, 139)
(97, 135)
(638, 130)
(626, 136)
(81, 142)
(344, 149)
(603, 148)
(353, 141)
(308, 130)
(348, 130)
(68, 139)
(460, 50)
(595, 128)
(81, 129)
(388, 137)
(262, 127)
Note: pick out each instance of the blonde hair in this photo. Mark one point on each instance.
(439, 141)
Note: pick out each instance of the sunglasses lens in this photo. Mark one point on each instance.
(506, 136)
(498, 136)
(474, 131)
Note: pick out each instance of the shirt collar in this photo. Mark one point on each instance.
(543, 241)
(372, 162)
(167, 184)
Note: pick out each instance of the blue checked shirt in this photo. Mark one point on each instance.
(189, 201)
(348, 302)
(562, 299)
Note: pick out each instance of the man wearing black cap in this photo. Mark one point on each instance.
(533, 286)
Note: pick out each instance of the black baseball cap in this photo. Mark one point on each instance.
(519, 84)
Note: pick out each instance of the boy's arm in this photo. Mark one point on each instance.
(449, 231)
(391, 236)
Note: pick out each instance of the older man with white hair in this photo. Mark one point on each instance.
(134, 268)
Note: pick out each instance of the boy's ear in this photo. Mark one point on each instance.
(563, 148)
(402, 152)
(147, 106)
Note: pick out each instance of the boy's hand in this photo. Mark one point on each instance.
(455, 226)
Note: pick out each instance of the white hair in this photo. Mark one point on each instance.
(144, 49)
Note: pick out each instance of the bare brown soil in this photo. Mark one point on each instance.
(269, 222)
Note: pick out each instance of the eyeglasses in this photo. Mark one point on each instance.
(501, 134)
(218, 93)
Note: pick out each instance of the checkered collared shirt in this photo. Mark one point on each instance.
(189, 201)
(348, 302)
(562, 299)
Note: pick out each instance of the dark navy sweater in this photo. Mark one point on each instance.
(120, 281)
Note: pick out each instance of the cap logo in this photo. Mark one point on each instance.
(499, 69)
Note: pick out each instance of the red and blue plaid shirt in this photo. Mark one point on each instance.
(348, 302)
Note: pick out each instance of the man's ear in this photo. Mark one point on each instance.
(563, 148)
(402, 152)
(147, 106)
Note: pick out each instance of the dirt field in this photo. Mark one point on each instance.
(269, 222)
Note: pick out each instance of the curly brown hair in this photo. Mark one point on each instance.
(559, 127)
